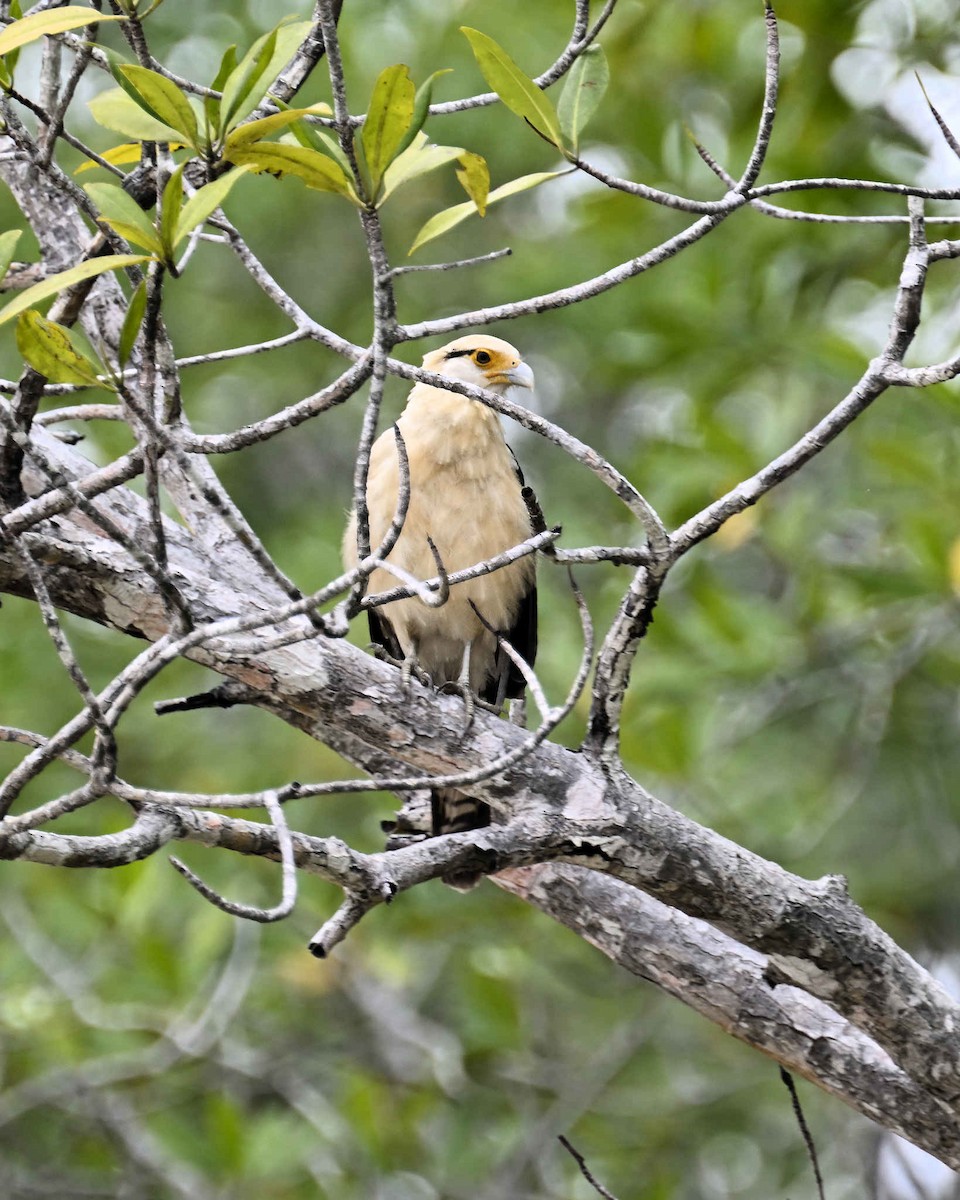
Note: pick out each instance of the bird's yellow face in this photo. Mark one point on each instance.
(484, 361)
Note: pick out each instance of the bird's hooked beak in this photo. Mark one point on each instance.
(519, 376)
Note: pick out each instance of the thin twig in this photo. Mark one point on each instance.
(584, 454)
(451, 266)
(55, 127)
(579, 42)
(769, 111)
(250, 912)
(791, 1087)
(584, 1169)
(880, 374)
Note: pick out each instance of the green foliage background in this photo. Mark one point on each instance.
(798, 689)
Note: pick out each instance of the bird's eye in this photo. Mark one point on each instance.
(481, 358)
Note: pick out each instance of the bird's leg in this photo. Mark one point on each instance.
(409, 666)
(461, 687)
(518, 712)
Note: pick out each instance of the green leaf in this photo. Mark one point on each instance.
(418, 158)
(48, 348)
(205, 202)
(248, 82)
(388, 118)
(170, 212)
(211, 105)
(122, 213)
(446, 220)
(114, 109)
(115, 61)
(325, 143)
(161, 98)
(305, 134)
(587, 81)
(243, 80)
(65, 279)
(41, 24)
(474, 176)
(519, 93)
(421, 106)
(131, 323)
(255, 131)
(8, 246)
(317, 170)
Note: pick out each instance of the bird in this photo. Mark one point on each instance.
(467, 497)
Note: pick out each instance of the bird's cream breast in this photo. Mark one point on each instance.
(464, 495)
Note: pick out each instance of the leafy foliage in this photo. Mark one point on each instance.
(797, 690)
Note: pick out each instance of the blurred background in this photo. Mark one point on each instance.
(797, 691)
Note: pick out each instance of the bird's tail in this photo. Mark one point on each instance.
(456, 812)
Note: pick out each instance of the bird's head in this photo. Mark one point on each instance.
(482, 360)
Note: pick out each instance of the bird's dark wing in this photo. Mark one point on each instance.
(523, 638)
(538, 522)
(381, 633)
(522, 635)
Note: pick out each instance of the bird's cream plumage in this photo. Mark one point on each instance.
(465, 494)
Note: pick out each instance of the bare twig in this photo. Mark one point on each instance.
(251, 912)
(791, 1087)
(584, 454)
(451, 266)
(581, 38)
(584, 1169)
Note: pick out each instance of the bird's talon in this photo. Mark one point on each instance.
(471, 702)
(410, 668)
(381, 654)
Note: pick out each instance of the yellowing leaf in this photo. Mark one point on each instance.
(317, 170)
(475, 179)
(47, 347)
(518, 92)
(119, 156)
(418, 158)
(953, 566)
(122, 213)
(446, 220)
(162, 99)
(51, 20)
(255, 131)
(388, 118)
(8, 246)
(114, 109)
(64, 279)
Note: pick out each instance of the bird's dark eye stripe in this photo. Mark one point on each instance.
(456, 354)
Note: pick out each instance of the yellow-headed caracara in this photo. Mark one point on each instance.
(465, 494)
